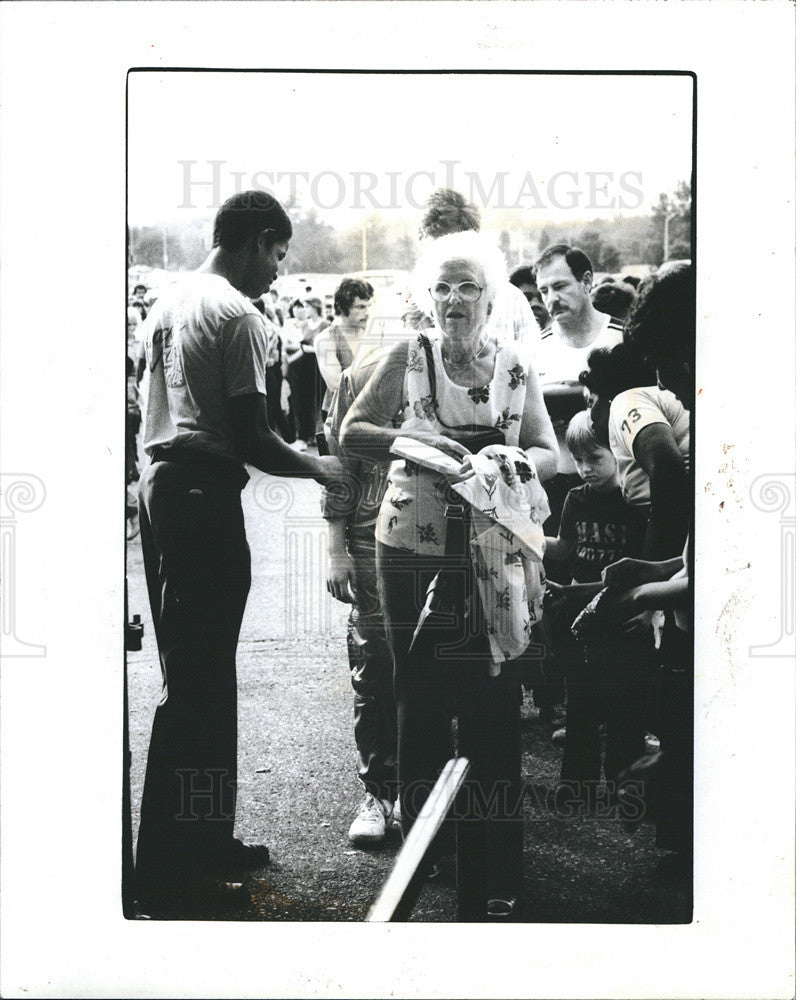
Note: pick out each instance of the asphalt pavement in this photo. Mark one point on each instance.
(297, 785)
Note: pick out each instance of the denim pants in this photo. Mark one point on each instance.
(197, 564)
(429, 693)
(371, 674)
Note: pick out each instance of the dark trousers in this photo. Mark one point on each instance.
(198, 575)
(306, 393)
(429, 691)
(607, 682)
(674, 725)
(371, 674)
(273, 389)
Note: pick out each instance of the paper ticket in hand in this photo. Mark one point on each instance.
(425, 456)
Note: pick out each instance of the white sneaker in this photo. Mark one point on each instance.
(372, 821)
(299, 445)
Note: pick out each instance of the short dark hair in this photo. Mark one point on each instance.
(348, 290)
(247, 215)
(662, 322)
(447, 211)
(524, 275)
(295, 304)
(140, 285)
(613, 299)
(316, 304)
(577, 260)
(631, 279)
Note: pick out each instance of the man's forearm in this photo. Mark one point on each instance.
(664, 595)
(371, 441)
(337, 537)
(269, 453)
(669, 509)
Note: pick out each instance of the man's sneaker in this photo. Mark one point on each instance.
(651, 743)
(372, 821)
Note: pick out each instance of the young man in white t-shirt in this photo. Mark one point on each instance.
(205, 417)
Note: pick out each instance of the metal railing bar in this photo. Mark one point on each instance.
(402, 882)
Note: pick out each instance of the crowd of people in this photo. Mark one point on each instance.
(504, 467)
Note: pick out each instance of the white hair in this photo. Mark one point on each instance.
(469, 246)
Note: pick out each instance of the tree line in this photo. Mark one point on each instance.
(611, 243)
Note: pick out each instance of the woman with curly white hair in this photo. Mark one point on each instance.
(454, 375)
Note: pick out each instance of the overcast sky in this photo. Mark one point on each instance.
(567, 146)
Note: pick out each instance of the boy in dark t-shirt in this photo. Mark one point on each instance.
(597, 524)
(597, 528)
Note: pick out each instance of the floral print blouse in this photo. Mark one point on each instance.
(412, 514)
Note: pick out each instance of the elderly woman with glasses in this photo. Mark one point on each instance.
(476, 380)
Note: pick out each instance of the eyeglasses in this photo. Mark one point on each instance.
(468, 291)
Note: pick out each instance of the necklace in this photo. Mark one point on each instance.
(461, 359)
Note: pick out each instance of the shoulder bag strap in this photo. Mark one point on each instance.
(432, 372)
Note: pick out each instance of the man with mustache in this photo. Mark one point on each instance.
(564, 277)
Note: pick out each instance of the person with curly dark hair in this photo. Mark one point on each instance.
(662, 328)
(613, 298)
(648, 430)
(336, 346)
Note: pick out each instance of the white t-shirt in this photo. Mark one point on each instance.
(205, 342)
(631, 411)
(558, 362)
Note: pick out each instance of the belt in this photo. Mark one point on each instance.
(203, 462)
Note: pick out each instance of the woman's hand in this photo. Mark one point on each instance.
(341, 578)
(466, 472)
(447, 445)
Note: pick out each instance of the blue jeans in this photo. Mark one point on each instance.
(371, 674)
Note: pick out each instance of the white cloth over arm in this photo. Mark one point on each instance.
(507, 546)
